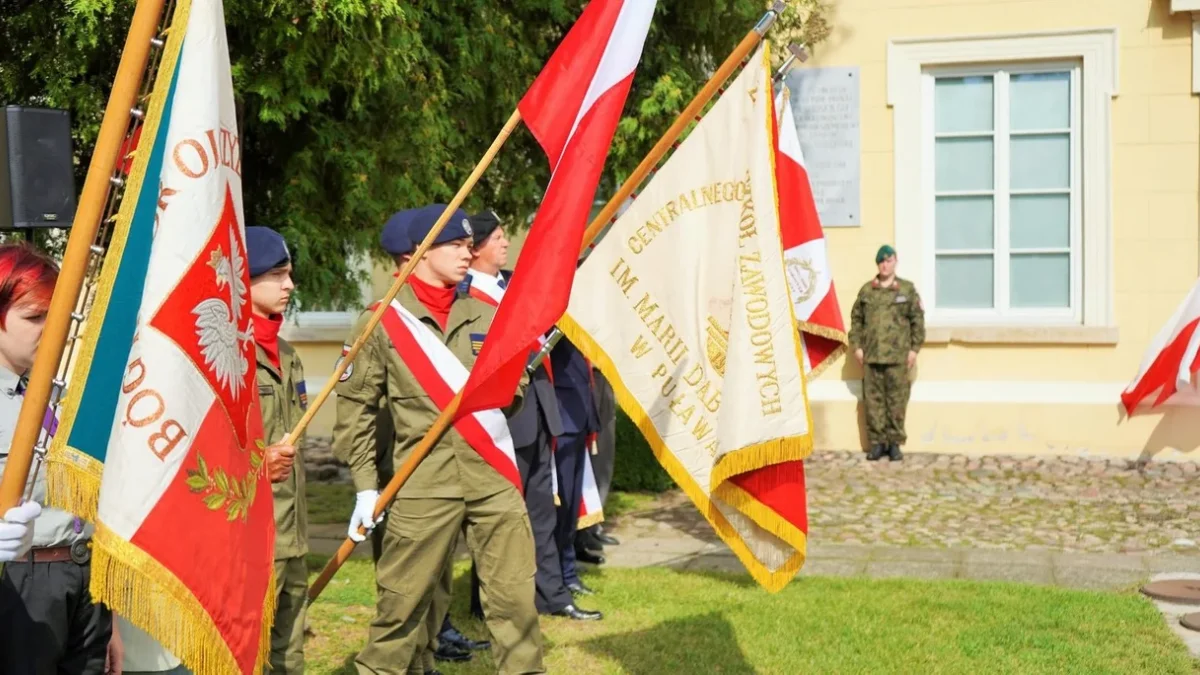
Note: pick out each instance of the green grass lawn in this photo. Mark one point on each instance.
(662, 621)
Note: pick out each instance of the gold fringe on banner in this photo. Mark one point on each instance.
(136, 586)
(73, 482)
(823, 331)
(590, 520)
(772, 580)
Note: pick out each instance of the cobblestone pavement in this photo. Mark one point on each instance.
(1065, 504)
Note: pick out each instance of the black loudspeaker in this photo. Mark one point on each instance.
(37, 178)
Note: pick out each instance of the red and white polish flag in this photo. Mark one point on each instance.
(1172, 360)
(806, 257)
(572, 109)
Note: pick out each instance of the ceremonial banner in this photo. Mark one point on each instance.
(591, 509)
(684, 308)
(1172, 359)
(163, 397)
(572, 109)
(806, 258)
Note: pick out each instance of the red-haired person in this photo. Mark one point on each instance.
(50, 623)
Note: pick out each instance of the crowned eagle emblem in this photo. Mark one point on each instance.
(217, 320)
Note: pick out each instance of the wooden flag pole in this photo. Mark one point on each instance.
(405, 271)
(92, 200)
(443, 421)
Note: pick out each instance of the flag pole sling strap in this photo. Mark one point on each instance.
(444, 420)
(101, 171)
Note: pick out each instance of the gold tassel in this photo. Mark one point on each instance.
(136, 586)
(73, 483)
(590, 520)
(754, 457)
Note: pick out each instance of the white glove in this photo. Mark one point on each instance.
(364, 512)
(16, 531)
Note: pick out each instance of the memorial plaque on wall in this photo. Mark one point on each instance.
(825, 103)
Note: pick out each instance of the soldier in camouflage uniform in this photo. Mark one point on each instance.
(283, 398)
(887, 330)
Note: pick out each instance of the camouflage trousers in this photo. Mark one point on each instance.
(885, 397)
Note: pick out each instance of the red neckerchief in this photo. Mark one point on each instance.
(266, 335)
(437, 300)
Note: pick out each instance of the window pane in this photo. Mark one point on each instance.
(1040, 162)
(964, 282)
(963, 164)
(962, 104)
(1040, 280)
(1040, 101)
(1040, 221)
(964, 223)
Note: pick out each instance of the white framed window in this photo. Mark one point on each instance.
(1003, 213)
(1003, 206)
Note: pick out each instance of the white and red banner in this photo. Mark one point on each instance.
(1172, 359)
(441, 374)
(166, 380)
(572, 109)
(684, 308)
(591, 509)
(809, 277)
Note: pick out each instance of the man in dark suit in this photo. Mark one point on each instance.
(533, 428)
(577, 404)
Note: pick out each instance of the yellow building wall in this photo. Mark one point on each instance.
(1035, 398)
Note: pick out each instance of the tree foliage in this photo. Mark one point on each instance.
(353, 109)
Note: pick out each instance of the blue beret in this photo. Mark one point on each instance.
(266, 250)
(395, 236)
(420, 221)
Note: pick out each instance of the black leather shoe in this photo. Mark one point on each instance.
(576, 614)
(606, 539)
(894, 454)
(433, 672)
(447, 651)
(877, 452)
(589, 557)
(580, 590)
(454, 637)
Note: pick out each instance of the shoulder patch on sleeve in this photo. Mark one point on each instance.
(349, 368)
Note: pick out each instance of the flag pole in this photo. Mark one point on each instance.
(92, 200)
(443, 421)
(405, 271)
(690, 114)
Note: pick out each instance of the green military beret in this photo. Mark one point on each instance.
(884, 253)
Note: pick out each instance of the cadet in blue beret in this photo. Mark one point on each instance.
(454, 488)
(394, 239)
(283, 398)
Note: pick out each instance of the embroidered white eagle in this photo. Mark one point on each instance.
(217, 321)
